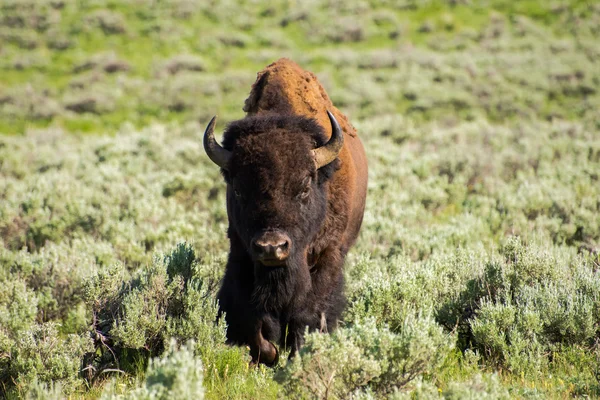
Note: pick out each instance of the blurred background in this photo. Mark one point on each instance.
(90, 66)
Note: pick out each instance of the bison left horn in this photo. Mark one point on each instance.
(328, 152)
(215, 152)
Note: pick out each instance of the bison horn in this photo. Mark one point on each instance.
(215, 152)
(328, 152)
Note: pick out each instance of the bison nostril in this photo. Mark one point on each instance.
(280, 252)
(283, 250)
(271, 248)
(260, 248)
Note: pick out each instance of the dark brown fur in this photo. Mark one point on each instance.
(270, 166)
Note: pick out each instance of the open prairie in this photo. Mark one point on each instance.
(477, 271)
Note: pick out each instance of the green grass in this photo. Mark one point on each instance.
(241, 39)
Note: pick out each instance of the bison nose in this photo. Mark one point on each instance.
(271, 248)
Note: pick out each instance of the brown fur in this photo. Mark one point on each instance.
(271, 155)
(285, 88)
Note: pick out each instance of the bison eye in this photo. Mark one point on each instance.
(306, 188)
(304, 193)
(237, 193)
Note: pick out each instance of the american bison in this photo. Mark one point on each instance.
(296, 176)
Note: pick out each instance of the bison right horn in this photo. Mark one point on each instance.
(328, 152)
(215, 152)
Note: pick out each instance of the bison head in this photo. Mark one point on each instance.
(276, 169)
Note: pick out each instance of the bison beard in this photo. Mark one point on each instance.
(283, 302)
(274, 288)
(295, 200)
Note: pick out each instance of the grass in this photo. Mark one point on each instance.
(146, 36)
(476, 272)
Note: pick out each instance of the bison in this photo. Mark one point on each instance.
(296, 176)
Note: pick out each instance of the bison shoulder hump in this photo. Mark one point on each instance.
(285, 88)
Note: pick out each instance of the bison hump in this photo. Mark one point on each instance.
(285, 88)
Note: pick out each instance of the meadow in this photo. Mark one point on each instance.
(477, 272)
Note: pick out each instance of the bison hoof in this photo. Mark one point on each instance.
(268, 356)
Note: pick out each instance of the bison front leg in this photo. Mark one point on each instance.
(294, 339)
(244, 325)
(323, 306)
(328, 289)
(261, 350)
(295, 334)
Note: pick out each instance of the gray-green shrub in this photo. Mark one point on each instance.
(363, 356)
(169, 299)
(177, 374)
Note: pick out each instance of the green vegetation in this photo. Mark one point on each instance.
(477, 271)
(91, 66)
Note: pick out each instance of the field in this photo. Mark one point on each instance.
(477, 272)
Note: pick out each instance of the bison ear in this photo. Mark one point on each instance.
(325, 173)
(215, 152)
(226, 176)
(328, 152)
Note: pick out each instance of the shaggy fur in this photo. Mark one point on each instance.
(272, 184)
